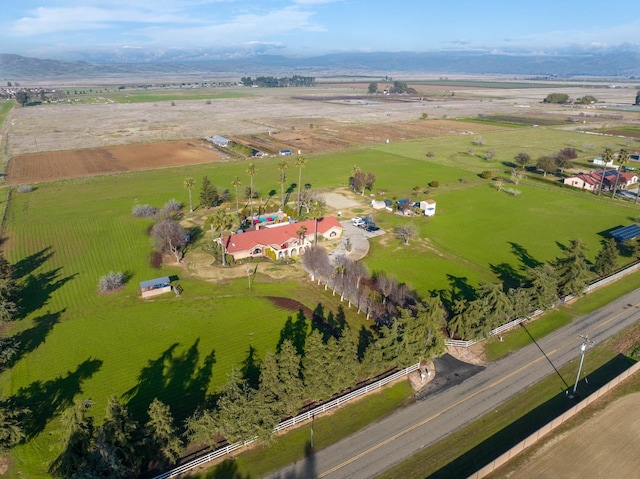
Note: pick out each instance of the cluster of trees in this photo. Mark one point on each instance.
(296, 374)
(560, 98)
(493, 304)
(470, 313)
(119, 448)
(563, 98)
(274, 82)
(548, 163)
(397, 87)
(359, 181)
(8, 291)
(379, 295)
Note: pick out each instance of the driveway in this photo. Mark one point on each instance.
(358, 240)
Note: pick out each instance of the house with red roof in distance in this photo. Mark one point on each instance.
(584, 181)
(591, 181)
(280, 240)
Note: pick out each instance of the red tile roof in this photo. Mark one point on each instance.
(277, 235)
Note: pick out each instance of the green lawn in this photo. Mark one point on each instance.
(65, 235)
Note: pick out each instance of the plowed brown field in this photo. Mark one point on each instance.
(57, 165)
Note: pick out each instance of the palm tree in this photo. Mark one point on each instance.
(222, 221)
(607, 156)
(623, 159)
(282, 167)
(300, 161)
(236, 183)
(190, 184)
(251, 171)
(317, 211)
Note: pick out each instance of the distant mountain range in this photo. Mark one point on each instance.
(619, 62)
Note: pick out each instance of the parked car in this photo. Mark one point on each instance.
(357, 221)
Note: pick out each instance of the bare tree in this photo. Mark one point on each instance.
(406, 232)
(316, 261)
(516, 176)
(169, 237)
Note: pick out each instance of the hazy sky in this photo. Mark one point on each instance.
(309, 27)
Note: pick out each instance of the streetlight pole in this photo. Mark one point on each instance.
(586, 342)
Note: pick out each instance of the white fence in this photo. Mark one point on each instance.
(289, 423)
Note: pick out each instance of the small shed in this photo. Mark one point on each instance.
(154, 287)
(429, 207)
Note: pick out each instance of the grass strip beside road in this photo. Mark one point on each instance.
(472, 447)
(328, 429)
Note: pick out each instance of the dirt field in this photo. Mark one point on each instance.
(606, 446)
(55, 165)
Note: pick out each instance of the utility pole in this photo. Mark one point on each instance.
(586, 343)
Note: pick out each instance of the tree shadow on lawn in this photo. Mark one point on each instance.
(30, 339)
(251, 368)
(492, 447)
(46, 400)
(294, 331)
(508, 276)
(176, 380)
(31, 263)
(526, 260)
(36, 290)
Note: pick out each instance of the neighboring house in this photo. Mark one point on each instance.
(591, 181)
(279, 241)
(584, 181)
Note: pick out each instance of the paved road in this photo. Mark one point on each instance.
(443, 410)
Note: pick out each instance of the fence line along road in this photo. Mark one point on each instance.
(288, 423)
(458, 343)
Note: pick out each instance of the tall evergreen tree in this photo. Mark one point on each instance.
(117, 444)
(544, 287)
(77, 440)
(572, 269)
(11, 430)
(208, 193)
(8, 291)
(236, 416)
(291, 388)
(163, 444)
(498, 305)
(316, 360)
(606, 261)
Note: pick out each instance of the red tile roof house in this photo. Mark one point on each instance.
(280, 240)
(591, 181)
(583, 181)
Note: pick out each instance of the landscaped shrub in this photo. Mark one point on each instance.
(172, 206)
(144, 211)
(155, 259)
(110, 282)
(24, 188)
(434, 184)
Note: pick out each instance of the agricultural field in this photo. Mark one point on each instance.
(76, 225)
(57, 165)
